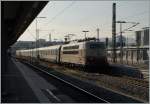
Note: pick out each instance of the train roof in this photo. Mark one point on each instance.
(79, 43)
(57, 46)
(50, 47)
(42, 48)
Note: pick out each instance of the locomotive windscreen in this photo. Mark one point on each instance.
(96, 45)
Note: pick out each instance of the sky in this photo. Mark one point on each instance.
(72, 17)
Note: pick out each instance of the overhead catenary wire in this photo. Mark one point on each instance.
(48, 32)
(128, 28)
(135, 15)
(72, 3)
(59, 13)
(131, 16)
(31, 34)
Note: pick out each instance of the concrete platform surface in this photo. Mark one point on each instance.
(21, 84)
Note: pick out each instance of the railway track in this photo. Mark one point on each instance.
(95, 97)
(92, 98)
(132, 81)
(138, 82)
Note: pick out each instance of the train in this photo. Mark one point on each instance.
(86, 54)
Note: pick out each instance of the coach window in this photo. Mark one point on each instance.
(124, 52)
(71, 47)
(70, 52)
(44, 53)
(56, 51)
(53, 51)
(47, 52)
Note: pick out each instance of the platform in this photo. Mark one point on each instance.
(14, 86)
(20, 84)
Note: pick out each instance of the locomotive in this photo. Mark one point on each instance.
(85, 54)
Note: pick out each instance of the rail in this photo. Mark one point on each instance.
(70, 84)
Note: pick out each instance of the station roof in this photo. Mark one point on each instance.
(17, 16)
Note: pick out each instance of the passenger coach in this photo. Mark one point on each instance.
(84, 54)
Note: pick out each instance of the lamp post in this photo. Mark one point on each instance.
(121, 41)
(85, 33)
(37, 36)
(127, 37)
(127, 44)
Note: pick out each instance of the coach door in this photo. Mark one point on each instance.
(58, 54)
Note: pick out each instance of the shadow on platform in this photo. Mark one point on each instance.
(14, 86)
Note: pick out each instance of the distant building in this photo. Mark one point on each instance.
(142, 37)
(146, 37)
(118, 41)
(130, 41)
(41, 40)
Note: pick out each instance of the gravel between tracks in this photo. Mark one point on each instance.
(129, 86)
